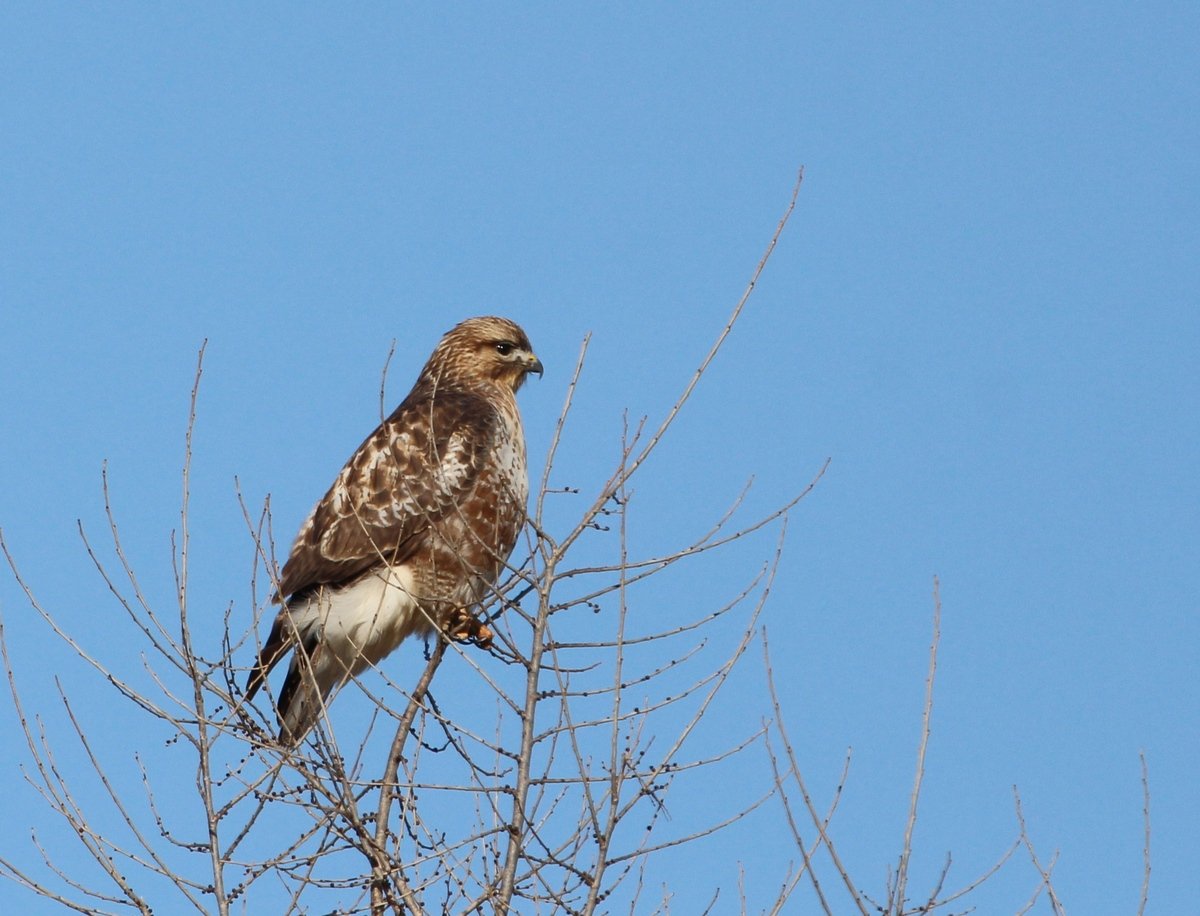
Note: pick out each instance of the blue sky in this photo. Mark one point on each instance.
(984, 311)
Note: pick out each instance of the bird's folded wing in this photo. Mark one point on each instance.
(416, 468)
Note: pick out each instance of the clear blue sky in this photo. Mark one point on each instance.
(985, 311)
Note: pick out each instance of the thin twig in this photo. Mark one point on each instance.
(923, 746)
(1145, 894)
(1044, 871)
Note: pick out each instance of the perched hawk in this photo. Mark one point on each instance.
(415, 529)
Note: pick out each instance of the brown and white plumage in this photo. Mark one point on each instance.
(415, 529)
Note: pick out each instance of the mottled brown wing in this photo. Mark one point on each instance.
(419, 465)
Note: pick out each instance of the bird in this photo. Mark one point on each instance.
(414, 531)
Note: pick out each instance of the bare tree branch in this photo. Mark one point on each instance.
(922, 747)
(1145, 893)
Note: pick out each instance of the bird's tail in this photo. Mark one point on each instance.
(311, 678)
(276, 646)
(335, 634)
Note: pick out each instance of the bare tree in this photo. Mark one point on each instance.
(543, 786)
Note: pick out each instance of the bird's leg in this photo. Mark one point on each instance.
(463, 626)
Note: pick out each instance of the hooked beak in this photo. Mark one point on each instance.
(533, 364)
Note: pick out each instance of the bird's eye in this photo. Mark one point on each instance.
(504, 348)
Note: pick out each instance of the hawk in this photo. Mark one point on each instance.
(415, 529)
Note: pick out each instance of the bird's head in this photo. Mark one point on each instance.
(486, 349)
